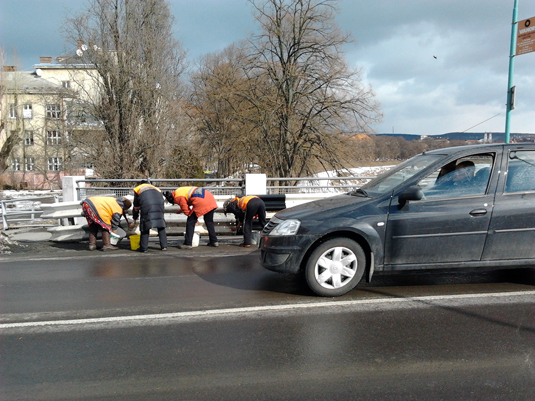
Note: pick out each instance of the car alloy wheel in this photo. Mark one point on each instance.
(335, 267)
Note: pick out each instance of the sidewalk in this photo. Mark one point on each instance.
(31, 243)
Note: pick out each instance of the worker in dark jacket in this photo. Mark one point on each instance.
(245, 209)
(149, 203)
(103, 213)
(195, 202)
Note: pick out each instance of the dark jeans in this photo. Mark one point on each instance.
(254, 207)
(190, 227)
(144, 238)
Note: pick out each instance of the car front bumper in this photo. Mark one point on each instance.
(283, 254)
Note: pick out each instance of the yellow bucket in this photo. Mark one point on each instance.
(134, 242)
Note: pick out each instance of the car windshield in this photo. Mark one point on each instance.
(386, 182)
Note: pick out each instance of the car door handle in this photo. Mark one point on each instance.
(478, 212)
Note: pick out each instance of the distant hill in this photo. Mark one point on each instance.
(470, 136)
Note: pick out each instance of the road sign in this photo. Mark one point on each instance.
(525, 42)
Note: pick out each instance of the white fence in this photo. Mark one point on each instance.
(27, 212)
(252, 184)
(72, 226)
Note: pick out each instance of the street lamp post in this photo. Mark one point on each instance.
(510, 88)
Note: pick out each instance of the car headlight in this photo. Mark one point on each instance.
(287, 227)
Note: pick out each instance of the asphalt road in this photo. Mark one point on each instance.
(212, 324)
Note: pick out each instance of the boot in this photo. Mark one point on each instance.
(106, 244)
(92, 241)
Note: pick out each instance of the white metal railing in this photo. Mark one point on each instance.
(75, 227)
(226, 186)
(312, 185)
(16, 212)
(71, 225)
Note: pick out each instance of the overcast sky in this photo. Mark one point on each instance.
(436, 66)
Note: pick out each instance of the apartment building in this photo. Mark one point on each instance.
(44, 108)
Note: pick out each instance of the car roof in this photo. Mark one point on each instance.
(482, 148)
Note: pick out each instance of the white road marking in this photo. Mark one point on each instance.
(253, 311)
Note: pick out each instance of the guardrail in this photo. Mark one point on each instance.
(229, 187)
(312, 185)
(15, 212)
(74, 227)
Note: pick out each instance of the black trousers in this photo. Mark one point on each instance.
(144, 238)
(254, 207)
(190, 227)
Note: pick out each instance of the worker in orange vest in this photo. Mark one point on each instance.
(195, 202)
(149, 207)
(245, 209)
(103, 213)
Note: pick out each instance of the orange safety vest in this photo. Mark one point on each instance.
(144, 187)
(106, 207)
(184, 191)
(243, 201)
(200, 200)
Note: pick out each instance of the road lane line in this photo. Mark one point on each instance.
(230, 312)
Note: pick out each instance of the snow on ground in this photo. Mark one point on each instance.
(7, 244)
(340, 181)
(355, 172)
(23, 194)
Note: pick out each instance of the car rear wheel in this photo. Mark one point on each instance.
(335, 267)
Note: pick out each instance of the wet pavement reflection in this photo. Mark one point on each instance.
(161, 282)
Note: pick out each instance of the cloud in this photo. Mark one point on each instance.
(395, 42)
(466, 83)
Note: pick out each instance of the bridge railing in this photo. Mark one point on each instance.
(27, 212)
(73, 226)
(228, 187)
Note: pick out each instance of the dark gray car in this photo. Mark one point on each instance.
(468, 206)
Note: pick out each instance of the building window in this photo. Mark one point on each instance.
(66, 84)
(29, 163)
(53, 138)
(88, 165)
(28, 138)
(15, 164)
(27, 111)
(53, 111)
(55, 163)
(12, 111)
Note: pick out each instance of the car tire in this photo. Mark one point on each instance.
(335, 267)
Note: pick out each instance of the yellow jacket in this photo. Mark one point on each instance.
(106, 207)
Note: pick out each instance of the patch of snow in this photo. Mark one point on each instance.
(11, 194)
(6, 243)
(339, 182)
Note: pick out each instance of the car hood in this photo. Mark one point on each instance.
(324, 207)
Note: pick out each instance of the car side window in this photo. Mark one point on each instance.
(467, 176)
(520, 171)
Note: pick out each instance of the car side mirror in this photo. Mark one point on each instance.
(414, 192)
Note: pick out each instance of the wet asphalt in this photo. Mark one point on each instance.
(212, 324)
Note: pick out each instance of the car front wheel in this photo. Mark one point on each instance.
(335, 267)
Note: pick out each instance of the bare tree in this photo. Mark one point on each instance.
(134, 69)
(8, 139)
(218, 109)
(303, 95)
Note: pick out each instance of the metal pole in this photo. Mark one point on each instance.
(5, 226)
(511, 68)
